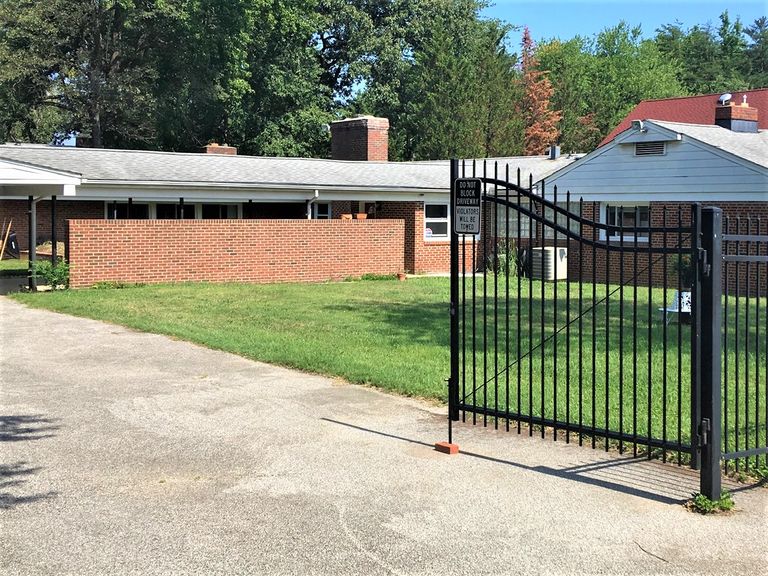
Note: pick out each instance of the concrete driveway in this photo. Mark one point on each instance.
(131, 453)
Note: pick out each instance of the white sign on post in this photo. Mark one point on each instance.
(467, 205)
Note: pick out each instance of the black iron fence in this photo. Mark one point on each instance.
(745, 344)
(584, 322)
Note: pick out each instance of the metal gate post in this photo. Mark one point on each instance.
(710, 274)
(695, 336)
(453, 382)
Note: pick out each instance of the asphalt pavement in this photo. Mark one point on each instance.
(132, 453)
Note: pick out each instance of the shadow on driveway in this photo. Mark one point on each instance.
(13, 476)
(652, 480)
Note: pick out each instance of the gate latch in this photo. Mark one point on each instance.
(703, 432)
(706, 267)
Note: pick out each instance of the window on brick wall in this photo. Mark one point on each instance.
(629, 216)
(435, 221)
(562, 219)
(508, 216)
(321, 211)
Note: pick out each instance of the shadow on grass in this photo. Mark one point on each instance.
(651, 480)
(13, 476)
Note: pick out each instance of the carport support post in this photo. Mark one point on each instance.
(54, 253)
(32, 213)
(710, 273)
(453, 382)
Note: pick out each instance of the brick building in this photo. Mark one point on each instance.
(218, 184)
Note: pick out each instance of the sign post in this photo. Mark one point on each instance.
(467, 205)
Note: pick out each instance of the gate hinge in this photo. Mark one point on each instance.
(704, 264)
(703, 432)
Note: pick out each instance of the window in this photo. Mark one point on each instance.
(219, 211)
(650, 148)
(321, 211)
(506, 215)
(628, 216)
(119, 211)
(562, 219)
(436, 221)
(172, 211)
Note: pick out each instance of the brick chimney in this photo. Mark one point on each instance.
(223, 149)
(360, 138)
(737, 117)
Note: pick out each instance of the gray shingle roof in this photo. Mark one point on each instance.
(750, 146)
(131, 166)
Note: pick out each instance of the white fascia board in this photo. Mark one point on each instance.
(669, 197)
(92, 190)
(21, 173)
(9, 191)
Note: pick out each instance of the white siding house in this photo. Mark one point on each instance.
(656, 161)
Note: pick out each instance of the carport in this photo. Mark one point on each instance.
(18, 181)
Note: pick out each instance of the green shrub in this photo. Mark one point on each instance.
(684, 266)
(703, 505)
(505, 261)
(56, 275)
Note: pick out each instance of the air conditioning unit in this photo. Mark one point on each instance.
(549, 263)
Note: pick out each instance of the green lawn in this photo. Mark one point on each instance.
(395, 335)
(13, 267)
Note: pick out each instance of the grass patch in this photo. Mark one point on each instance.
(13, 267)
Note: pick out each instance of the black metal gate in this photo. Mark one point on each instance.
(582, 321)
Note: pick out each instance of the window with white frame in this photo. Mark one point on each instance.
(627, 216)
(435, 221)
(507, 221)
(563, 220)
(321, 211)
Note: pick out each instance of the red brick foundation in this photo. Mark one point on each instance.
(259, 251)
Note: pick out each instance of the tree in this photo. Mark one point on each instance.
(540, 120)
(90, 60)
(708, 60)
(757, 53)
(572, 71)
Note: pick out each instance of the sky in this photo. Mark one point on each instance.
(565, 19)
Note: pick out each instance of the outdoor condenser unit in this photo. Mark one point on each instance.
(549, 263)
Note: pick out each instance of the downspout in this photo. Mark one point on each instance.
(310, 202)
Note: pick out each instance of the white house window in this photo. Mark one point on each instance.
(509, 217)
(650, 148)
(562, 219)
(435, 221)
(628, 216)
(321, 211)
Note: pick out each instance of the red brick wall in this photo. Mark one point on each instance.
(424, 256)
(738, 216)
(153, 251)
(735, 214)
(65, 210)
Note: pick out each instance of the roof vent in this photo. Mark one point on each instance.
(650, 148)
